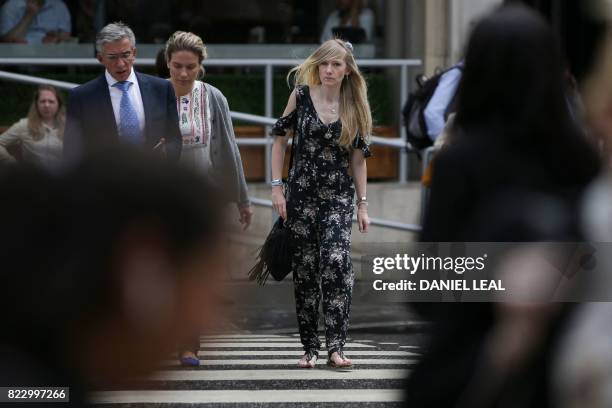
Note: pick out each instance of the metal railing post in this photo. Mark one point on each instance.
(268, 113)
(268, 83)
(403, 162)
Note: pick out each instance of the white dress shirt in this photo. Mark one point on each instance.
(135, 98)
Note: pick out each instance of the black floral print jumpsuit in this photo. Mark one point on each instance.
(320, 195)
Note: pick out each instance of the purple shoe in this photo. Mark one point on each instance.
(189, 361)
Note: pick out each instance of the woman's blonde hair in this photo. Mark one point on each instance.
(355, 114)
(186, 41)
(34, 119)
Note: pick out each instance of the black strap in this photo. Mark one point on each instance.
(290, 165)
(292, 152)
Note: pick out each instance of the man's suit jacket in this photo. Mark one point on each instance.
(90, 121)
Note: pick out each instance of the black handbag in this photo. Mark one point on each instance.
(275, 255)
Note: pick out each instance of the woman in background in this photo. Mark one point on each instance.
(41, 133)
(209, 144)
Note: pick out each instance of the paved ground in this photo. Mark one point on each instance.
(259, 370)
(253, 363)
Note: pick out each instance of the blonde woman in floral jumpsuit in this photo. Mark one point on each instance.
(329, 112)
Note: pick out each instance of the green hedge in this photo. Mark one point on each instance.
(245, 93)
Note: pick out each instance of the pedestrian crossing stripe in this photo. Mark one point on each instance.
(251, 359)
(292, 344)
(245, 336)
(298, 353)
(293, 374)
(270, 339)
(302, 396)
(293, 361)
(259, 340)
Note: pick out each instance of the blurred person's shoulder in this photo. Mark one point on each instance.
(466, 154)
(455, 146)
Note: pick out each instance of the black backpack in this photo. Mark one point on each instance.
(414, 110)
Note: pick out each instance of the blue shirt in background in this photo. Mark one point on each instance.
(438, 104)
(53, 16)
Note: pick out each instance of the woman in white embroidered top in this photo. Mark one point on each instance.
(209, 143)
(41, 133)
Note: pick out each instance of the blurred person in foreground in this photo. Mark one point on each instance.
(583, 377)
(104, 269)
(39, 135)
(35, 22)
(121, 106)
(515, 172)
(209, 144)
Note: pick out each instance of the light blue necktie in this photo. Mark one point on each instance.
(129, 128)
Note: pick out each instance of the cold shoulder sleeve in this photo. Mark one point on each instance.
(361, 144)
(285, 123)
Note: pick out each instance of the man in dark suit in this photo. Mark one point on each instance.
(121, 106)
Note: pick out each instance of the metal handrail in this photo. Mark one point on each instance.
(262, 120)
(28, 79)
(246, 117)
(217, 62)
(268, 65)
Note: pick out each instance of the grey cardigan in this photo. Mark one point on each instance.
(224, 154)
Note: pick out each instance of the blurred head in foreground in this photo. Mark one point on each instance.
(513, 77)
(514, 87)
(104, 267)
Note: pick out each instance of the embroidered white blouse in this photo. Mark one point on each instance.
(194, 122)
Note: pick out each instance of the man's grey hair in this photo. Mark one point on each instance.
(114, 32)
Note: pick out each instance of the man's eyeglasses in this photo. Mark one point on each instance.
(123, 56)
